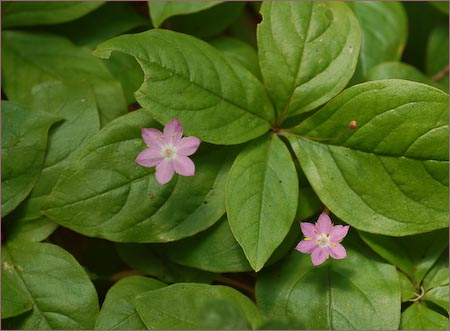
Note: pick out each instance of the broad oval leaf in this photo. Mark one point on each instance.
(43, 12)
(61, 293)
(188, 306)
(122, 201)
(327, 297)
(214, 249)
(384, 29)
(24, 144)
(389, 175)
(261, 198)
(30, 59)
(160, 11)
(118, 310)
(307, 52)
(419, 317)
(217, 100)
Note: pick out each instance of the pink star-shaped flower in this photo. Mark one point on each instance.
(322, 240)
(168, 151)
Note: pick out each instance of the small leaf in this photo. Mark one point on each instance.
(435, 282)
(261, 198)
(222, 102)
(384, 29)
(327, 40)
(407, 288)
(160, 11)
(151, 260)
(214, 249)
(118, 310)
(414, 255)
(389, 175)
(24, 143)
(436, 57)
(186, 306)
(327, 297)
(399, 70)
(44, 12)
(30, 59)
(122, 201)
(419, 317)
(62, 295)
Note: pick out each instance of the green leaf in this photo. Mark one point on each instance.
(214, 249)
(384, 30)
(436, 57)
(210, 22)
(327, 40)
(118, 310)
(389, 175)
(62, 295)
(151, 260)
(399, 70)
(122, 201)
(436, 281)
(24, 143)
(419, 317)
(15, 298)
(261, 198)
(222, 103)
(188, 306)
(241, 51)
(414, 255)
(44, 12)
(327, 297)
(160, 11)
(77, 106)
(30, 59)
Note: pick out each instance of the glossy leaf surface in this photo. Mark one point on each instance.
(228, 101)
(261, 198)
(389, 175)
(118, 310)
(61, 293)
(187, 306)
(327, 40)
(122, 201)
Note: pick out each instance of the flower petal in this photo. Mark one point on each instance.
(319, 255)
(188, 146)
(173, 131)
(152, 136)
(164, 171)
(324, 223)
(148, 158)
(306, 246)
(338, 251)
(309, 230)
(338, 233)
(183, 165)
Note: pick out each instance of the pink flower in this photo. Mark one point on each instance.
(323, 240)
(168, 151)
